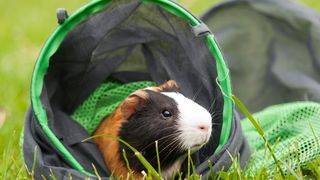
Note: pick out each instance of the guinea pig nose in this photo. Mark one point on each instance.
(204, 128)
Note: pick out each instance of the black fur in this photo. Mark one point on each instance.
(148, 125)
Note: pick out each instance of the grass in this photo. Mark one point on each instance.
(25, 25)
(260, 131)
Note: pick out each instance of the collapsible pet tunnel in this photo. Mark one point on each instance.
(275, 74)
(127, 41)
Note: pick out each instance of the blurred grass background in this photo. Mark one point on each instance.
(24, 27)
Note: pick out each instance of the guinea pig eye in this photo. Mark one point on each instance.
(166, 113)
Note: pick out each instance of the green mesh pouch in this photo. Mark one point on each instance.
(103, 101)
(293, 130)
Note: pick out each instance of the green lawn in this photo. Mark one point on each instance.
(24, 27)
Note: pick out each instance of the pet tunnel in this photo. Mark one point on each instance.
(276, 74)
(128, 41)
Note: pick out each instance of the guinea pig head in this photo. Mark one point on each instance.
(164, 115)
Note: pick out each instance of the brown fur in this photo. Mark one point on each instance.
(112, 124)
(171, 84)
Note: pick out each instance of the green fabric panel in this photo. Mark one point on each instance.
(103, 101)
(288, 130)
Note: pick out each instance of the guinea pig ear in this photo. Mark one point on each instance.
(169, 86)
(131, 104)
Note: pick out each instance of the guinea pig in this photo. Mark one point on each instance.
(154, 114)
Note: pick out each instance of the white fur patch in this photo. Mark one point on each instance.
(191, 118)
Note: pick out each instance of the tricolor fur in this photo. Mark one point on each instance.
(154, 114)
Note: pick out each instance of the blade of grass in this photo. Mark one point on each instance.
(144, 175)
(34, 161)
(52, 175)
(158, 157)
(27, 169)
(294, 174)
(7, 164)
(95, 171)
(211, 170)
(189, 157)
(260, 131)
(124, 154)
(313, 166)
(179, 175)
(194, 174)
(235, 165)
(143, 161)
(314, 134)
(20, 172)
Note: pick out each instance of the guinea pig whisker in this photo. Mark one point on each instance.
(168, 139)
(197, 93)
(216, 112)
(217, 117)
(162, 149)
(163, 129)
(175, 140)
(168, 136)
(215, 124)
(170, 150)
(220, 112)
(171, 127)
(164, 137)
(212, 104)
(211, 138)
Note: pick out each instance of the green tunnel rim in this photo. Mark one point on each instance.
(61, 31)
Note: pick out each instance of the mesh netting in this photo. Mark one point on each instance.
(103, 101)
(292, 129)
